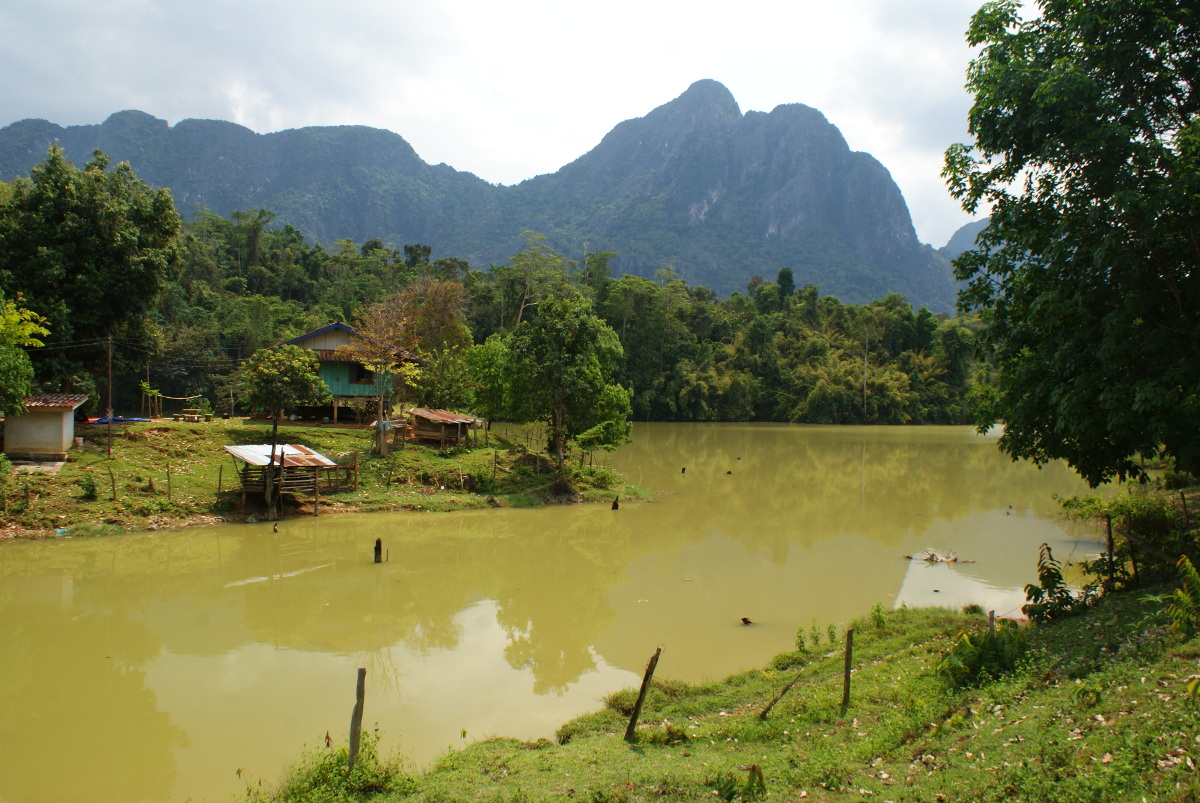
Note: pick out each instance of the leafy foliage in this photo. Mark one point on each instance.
(90, 251)
(1087, 153)
(1050, 598)
(979, 658)
(1184, 607)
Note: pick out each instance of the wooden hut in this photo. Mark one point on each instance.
(348, 378)
(442, 427)
(300, 470)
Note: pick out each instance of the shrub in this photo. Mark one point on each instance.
(974, 660)
(87, 487)
(1050, 598)
(322, 775)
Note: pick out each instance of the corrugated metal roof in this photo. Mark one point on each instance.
(292, 454)
(440, 416)
(55, 401)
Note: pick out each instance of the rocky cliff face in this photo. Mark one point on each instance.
(696, 184)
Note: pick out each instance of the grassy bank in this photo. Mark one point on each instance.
(171, 474)
(1098, 710)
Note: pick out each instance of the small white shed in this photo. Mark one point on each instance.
(45, 430)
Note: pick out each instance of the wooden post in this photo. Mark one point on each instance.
(1110, 553)
(778, 697)
(1132, 555)
(360, 694)
(846, 674)
(630, 736)
(379, 550)
(316, 490)
(991, 623)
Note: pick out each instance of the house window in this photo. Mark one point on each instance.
(361, 375)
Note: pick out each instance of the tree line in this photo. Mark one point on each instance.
(94, 252)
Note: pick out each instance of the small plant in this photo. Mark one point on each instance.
(814, 632)
(877, 616)
(323, 775)
(801, 639)
(972, 609)
(974, 660)
(1184, 606)
(87, 487)
(1050, 598)
(728, 788)
(831, 633)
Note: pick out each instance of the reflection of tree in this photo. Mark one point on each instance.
(792, 482)
(76, 705)
(554, 608)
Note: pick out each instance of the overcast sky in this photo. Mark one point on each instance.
(505, 90)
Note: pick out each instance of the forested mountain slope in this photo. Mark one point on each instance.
(719, 195)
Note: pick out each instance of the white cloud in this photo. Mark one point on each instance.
(504, 90)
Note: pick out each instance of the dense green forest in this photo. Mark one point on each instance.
(774, 353)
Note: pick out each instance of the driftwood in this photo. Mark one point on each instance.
(931, 556)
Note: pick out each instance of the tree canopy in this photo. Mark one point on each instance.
(1086, 153)
(89, 249)
(19, 328)
(560, 367)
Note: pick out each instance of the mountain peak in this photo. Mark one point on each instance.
(708, 92)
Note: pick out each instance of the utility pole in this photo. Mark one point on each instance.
(110, 409)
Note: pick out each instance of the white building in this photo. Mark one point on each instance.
(45, 430)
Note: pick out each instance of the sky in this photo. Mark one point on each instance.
(505, 90)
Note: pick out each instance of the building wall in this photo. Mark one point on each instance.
(39, 434)
(337, 376)
(326, 340)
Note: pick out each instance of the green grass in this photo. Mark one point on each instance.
(168, 474)
(1098, 711)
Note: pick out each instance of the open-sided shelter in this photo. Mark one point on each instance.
(299, 470)
(45, 430)
(443, 427)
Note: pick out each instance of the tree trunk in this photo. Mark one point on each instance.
(270, 474)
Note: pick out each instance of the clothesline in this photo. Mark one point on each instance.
(180, 398)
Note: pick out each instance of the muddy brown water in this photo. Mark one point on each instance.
(165, 666)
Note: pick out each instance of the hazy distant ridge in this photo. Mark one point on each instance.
(695, 184)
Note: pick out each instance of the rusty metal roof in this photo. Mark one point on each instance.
(55, 401)
(292, 454)
(440, 416)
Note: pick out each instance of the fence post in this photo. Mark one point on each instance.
(360, 694)
(846, 675)
(630, 736)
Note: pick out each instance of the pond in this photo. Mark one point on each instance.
(165, 666)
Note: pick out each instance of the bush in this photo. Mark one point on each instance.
(322, 776)
(87, 486)
(1050, 598)
(974, 660)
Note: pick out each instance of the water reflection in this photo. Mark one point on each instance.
(161, 665)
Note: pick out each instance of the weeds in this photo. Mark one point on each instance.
(1050, 598)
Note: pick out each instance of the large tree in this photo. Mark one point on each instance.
(1086, 153)
(89, 249)
(560, 367)
(19, 328)
(274, 380)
